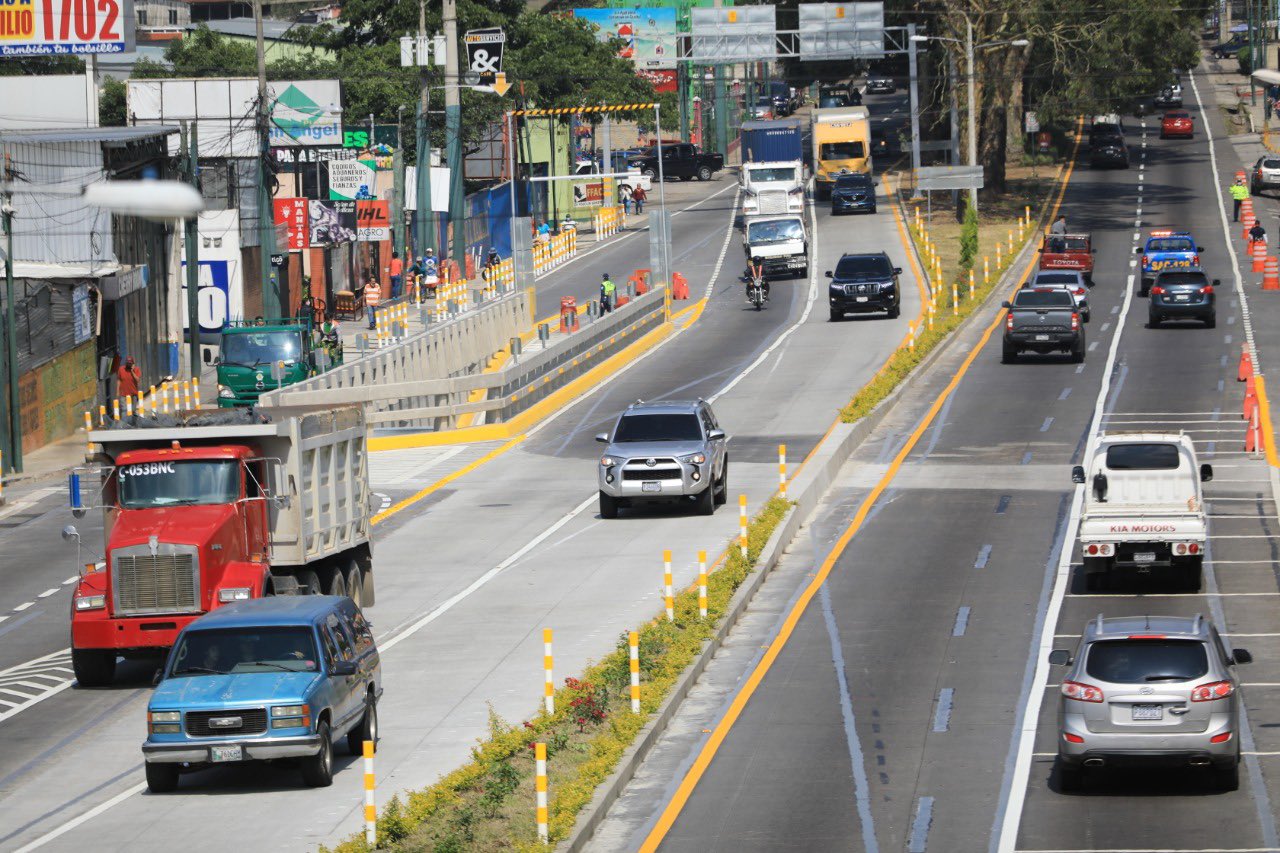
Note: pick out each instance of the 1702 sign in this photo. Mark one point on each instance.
(57, 27)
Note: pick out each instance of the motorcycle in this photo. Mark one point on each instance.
(755, 293)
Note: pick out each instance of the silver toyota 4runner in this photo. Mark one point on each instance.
(1149, 690)
(668, 450)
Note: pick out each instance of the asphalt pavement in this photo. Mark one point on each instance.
(468, 576)
(912, 707)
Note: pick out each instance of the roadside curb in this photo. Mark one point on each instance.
(806, 492)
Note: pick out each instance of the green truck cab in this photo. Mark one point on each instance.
(257, 356)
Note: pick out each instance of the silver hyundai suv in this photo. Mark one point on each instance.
(663, 451)
(1149, 690)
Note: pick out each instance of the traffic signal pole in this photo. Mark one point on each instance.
(453, 134)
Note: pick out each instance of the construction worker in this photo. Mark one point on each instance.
(607, 289)
(330, 342)
(1239, 192)
(372, 296)
(395, 270)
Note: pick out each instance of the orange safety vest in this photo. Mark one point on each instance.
(372, 293)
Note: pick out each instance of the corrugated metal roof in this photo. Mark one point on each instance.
(104, 135)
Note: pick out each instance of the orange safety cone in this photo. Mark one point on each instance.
(642, 281)
(1271, 274)
(679, 286)
(1251, 435)
(1240, 176)
(1259, 256)
(1246, 365)
(1248, 219)
(1250, 399)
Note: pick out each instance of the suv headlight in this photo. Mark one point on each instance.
(225, 392)
(290, 710)
(291, 717)
(608, 461)
(90, 602)
(694, 458)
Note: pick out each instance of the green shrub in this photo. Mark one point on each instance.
(969, 238)
(1246, 61)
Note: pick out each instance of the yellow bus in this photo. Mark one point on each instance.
(841, 144)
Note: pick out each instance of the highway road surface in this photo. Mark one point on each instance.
(466, 577)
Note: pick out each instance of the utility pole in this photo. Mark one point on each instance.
(424, 138)
(914, 107)
(398, 242)
(453, 132)
(14, 454)
(191, 244)
(272, 304)
(973, 107)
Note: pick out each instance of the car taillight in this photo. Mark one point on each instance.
(1075, 322)
(1081, 692)
(1208, 288)
(1079, 291)
(1222, 738)
(1195, 260)
(1214, 690)
(1157, 289)
(1072, 738)
(1008, 321)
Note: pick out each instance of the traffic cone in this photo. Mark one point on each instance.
(1246, 365)
(1240, 176)
(1271, 274)
(1248, 219)
(1259, 256)
(1250, 399)
(1251, 443)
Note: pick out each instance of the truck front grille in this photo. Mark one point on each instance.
(167, 581)
(238, 721)
(773, 201)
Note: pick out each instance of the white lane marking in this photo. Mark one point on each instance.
(2, 618)
(1105, 326)
(23, 606)
(47, 593)
(1048, 422)
(724, 250)
(962, 622)
(71, 580)
(64, 828)
(1008, 827)
(1066, 392)
(54, 666)
(1093, 346)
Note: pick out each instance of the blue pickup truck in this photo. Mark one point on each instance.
(265, 679)
(1167, 249)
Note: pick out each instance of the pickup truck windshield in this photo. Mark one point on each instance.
(1143, 661)
(146, 485)
(1170, 244)
(1142, 457)
(1038, 299)
(658, 428)
(781, 173)
(775, 231)
(251, 349)
(219, 652)
(841, 150)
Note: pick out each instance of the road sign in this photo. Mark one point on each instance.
(841, 30)
(500, 84)
(733, 34)
(949, 178)
(1032, 122)
(484, 54)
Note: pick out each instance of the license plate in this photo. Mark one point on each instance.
(1148, 712)
(651, 486)
(1144, 557)
(1181, 298)
(1042, 337)
(225, 753)
(861, 299)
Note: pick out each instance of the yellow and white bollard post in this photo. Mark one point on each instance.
(195, 392)
(633, 646)
(970, 285)
(986, 270)
(540, 790)
(186, 394)
(702, 584)
(115, 410)
(102, 415)
(164, 398)
(668, 600)
(742, 525)
(955, 299)
(782, 471)
(370, 806)
(997, 254)
(88, 425)
(128, 406)
(911, 337)
(548, 680)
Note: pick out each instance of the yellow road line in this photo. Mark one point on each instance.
(722, 728)
(440, 484)
(1264, 410)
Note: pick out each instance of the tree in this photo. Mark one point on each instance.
(34, 66)
(112, 104)
(202, 53)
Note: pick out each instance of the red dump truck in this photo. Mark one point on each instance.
(210, 508)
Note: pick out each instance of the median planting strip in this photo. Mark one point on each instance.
(489, 803)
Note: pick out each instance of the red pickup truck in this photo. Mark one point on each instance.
(1068, 252)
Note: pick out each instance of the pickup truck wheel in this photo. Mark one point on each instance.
(706, 501)
(1193, 574)
(162, 778)
(704, 173)
(355, 583)
(650, 174)
(1008, 354)
(317, 770)
(366, 729)
(309, 583)
(94, 667)
(608, 506)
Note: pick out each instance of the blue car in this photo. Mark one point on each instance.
(264, 679)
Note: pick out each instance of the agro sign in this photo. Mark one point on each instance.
(373, 221)
(65, 27)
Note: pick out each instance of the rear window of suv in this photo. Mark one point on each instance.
(1142, 457)
(852, 266)
(664, 427)
(1043, 299)
(1171, 244)
(1169, 278)
(1146, 661)
(1271, 164)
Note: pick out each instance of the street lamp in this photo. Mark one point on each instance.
(152, 199)
(968, 53)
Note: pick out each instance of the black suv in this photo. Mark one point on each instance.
(1182, 295)
(1108, 149)
(863, 283)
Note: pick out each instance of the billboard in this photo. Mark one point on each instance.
(303, 112)
(373, 221)
(588, 193)
(841, 30)
(351, 179)
(649, 34)
(292, 213)
(66, 27)
(220, 296)
(733, 34)
(332, 222)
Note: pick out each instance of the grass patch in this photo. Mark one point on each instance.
(1029, 186)
(488, 804)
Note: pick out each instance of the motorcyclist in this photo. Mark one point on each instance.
(330, 342)
(755, 270)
